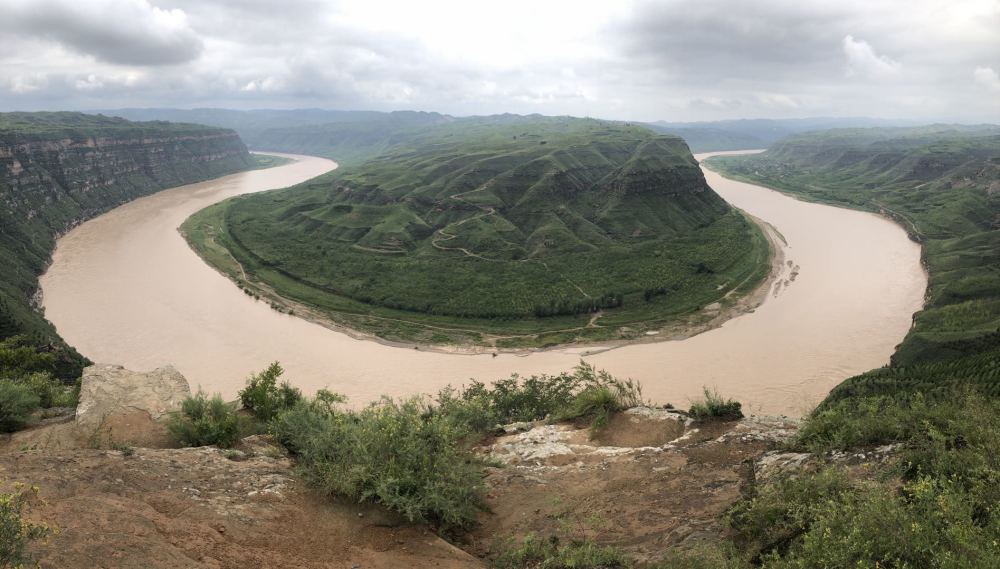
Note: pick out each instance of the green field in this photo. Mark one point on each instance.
(507, 231)
(941, 183)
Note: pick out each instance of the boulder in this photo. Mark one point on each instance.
(118, 406)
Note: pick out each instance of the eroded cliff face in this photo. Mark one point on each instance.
(66, 179)
(60, 169)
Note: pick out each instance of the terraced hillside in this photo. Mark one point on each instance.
(508, 230)
(59, 169)
(942, 183)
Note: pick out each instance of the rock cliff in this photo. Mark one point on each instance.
(60, 169)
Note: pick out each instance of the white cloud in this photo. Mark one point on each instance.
(23, 84)
(131, 32)
(632, 59)
(987, 77)
(862, 60)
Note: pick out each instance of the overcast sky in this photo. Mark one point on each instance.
(640, 60)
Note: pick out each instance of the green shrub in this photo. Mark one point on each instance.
(934, 526)
(264, 398)
(714, 406)
(784, 510)
(17, 403)
(885, 419)
(50, 391)
(585, 392)
(203, 421)
(537, 553)
(509, 400)
(15, 531)
(394, 453)
(935, 506)
(18, 358)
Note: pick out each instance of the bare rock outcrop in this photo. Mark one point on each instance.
(117, 407)
(129, 407)
(653, 478)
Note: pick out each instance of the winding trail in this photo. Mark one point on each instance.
(125, 288)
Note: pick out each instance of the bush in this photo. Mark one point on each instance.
(601, 396)
(935, 506)
(203, 421)
(18, 358)
(714, 406)
(510, 400)
(585, 392)
(549, 554)
(932, 524)
(15, 531)
(393, 453)
(17, 403)
(264, 398)
(784, 510)
(879, 420)
(50, 391)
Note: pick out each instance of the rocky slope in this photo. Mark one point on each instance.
(116, 505)
(652, 480)
(60, 169)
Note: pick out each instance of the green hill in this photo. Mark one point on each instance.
(60, 169)
(940, 182)
(517, 227)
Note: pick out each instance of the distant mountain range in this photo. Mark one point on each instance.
(351, 136)
(743, 134)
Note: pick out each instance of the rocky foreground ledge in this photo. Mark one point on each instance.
(651, 480)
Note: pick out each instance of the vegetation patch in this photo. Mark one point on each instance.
(16, 531)
(27, 383)
(204, 421)
(264, 398)
(395, 453)
(715, 406)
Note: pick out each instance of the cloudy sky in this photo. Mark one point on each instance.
(639, 59)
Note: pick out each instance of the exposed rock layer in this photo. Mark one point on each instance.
(60, 169)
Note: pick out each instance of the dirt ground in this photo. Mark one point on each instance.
(199, 508)
(651, 480)
(631, 487)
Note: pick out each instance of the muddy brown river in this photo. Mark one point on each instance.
(125, 288)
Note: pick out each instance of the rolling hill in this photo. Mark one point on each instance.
(532, 230)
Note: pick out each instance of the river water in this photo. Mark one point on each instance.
(125, 288)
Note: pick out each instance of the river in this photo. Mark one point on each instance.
(125, 288)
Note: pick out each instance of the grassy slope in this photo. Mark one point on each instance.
(942, 183)
(57, 190)
(556, 217)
